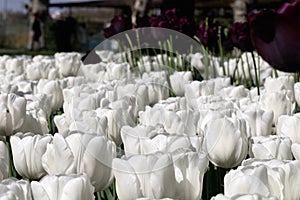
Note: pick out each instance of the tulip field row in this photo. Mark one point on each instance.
(155, 134)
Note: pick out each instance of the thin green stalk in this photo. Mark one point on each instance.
(244, 74)
(139, 46)
(205, 62)
(161, 52)
(256, 76)
(134, 64)
(12, 171)
(221, 52)
(98, 195)
(249, 71)
(275, 73)
(165, 44)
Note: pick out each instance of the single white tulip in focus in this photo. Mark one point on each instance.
(27, 150)
(226, 141)
(63, 187)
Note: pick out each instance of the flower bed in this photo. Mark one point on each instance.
(160, 125)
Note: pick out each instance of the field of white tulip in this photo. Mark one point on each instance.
(71, 130)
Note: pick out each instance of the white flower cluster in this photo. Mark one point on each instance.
(119, 124)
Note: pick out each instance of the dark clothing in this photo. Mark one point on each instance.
(36, 28)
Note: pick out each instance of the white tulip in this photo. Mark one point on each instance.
(139, 92)
(116, 119)
(270, 147)
(68, 63)
(286, 172)
(4, 161)
(53, 90)
(15, 65)
(158, 87)
(190, 168)
(62, 124)
(12, 113)
(95, 72)
(135, 142)
(297, 92)
(77, 153)
(150, 176)
(243, 197)
(296, 150)
(105, 55)
(38, 102)
(178, 81)
(279, 102)
(173, 104)
(82, 98)
(259, 120)
(117, 71)
(71, 187)
(258, 179)
(234, 92)
(89, 123)
(12, 188)
(226, 141)
(37, 70)
(289, 126)
(36, 122)
(27, 151)
(281, 83)
(3, 60)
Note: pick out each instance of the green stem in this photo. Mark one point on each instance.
(205, 62)
(249, 71)
(12, 171)
(99, 195)
(256, 76)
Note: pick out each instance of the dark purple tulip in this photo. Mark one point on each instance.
(186, 26)
(208, 36)
(173, 20)
(276, 36)
(143, 21)
(117, 25)
(240, 36)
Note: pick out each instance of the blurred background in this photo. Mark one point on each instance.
(77, 25)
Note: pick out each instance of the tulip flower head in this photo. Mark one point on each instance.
(117, 25)
(240, 36)
(275, 35)
(13, 112)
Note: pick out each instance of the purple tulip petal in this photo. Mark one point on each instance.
(276, 36)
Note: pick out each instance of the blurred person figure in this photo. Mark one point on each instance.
(34, 42)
